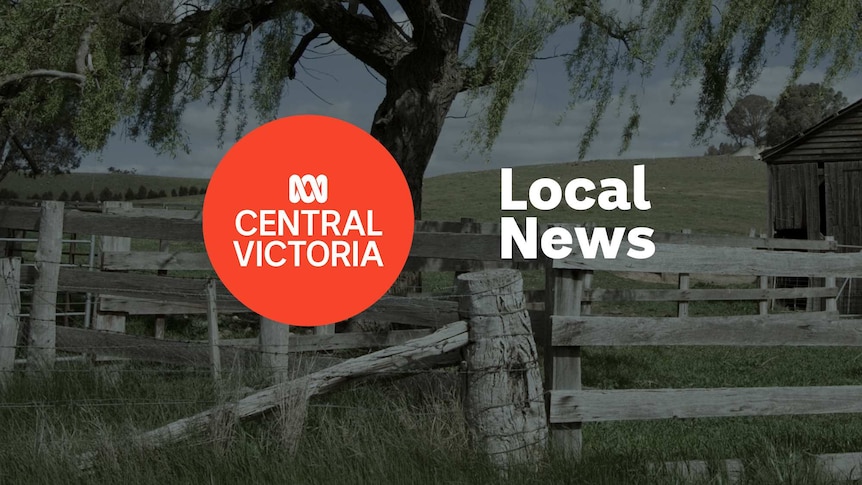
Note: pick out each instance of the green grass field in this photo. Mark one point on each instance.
(704, 194)
(411, 430)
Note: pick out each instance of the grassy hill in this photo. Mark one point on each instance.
(705, 194)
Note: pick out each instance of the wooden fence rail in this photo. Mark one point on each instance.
(573, 326)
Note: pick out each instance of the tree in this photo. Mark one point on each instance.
(130, 194)
(122, 171)
(722, 149)
(106, 194)
(145, 61)
(747, 119)
(799, 107)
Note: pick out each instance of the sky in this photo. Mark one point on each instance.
(337, 85)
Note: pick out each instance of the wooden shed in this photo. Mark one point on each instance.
(815, 188)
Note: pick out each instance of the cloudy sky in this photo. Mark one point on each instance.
(345, 89)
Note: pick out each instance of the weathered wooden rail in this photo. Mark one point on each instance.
(573, 326)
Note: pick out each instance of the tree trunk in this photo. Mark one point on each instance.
(410, 118)
(408, 122)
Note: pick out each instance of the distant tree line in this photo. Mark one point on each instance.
(757, 120)
(105, 194)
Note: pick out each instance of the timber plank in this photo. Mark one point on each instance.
(142, 348)
(675, 258)
(790, 329)
(155, 260)
(709, 294)
(622, 405)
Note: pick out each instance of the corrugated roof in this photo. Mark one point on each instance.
(796, 140)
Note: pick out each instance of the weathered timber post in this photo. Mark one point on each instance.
(159, 325)
(212, 331)
(564, 296)
(10, 308)
(274, 338)
(466, 228)
(108, 321)
(684, 284)
(43, 311)
(111, 322)
(504, 398)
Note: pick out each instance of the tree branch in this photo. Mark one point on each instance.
(34, 165)
(12, 79)
(427, 20)
(377, 46)
(611, 26)
(381, 15)
(300, 49)
(82, 66)
(10, 84)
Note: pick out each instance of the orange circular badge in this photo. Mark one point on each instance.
(308, 220)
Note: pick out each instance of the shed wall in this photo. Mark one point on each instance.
(795, 203)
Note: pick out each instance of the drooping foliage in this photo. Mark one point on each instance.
(142, 62)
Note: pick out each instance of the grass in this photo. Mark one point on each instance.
(389, 432)
(724, 195)
(412, 431)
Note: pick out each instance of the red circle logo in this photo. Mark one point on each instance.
(308, 220)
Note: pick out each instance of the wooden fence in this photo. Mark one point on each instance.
(573, 326)
(125, 289)
(140, 282)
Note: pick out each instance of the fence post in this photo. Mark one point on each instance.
(159, 326)
(43, 310)
(831, 282)
(107, 321)
(212, 330)
(10, 308)
(466, 228)
(274, 338)
(684, 284)
(504, 400)
(564, 295)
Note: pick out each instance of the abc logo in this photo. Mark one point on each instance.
(318, 189)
